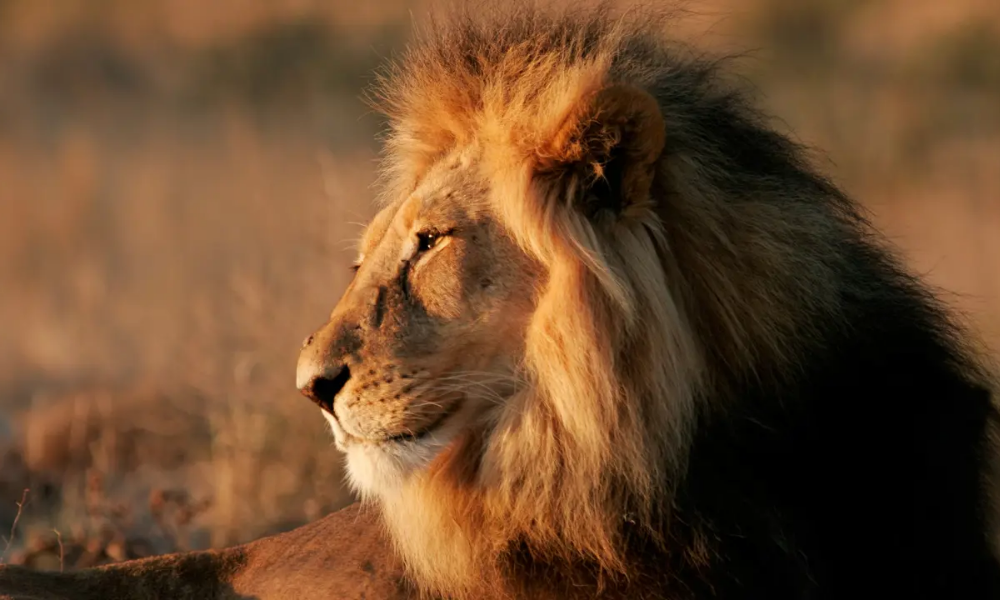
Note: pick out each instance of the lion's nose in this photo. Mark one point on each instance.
(322, 387)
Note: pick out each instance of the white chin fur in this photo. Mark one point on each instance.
(377, 469)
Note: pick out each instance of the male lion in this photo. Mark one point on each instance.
(610, 334)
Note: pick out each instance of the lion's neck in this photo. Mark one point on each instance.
(454, 545)
(462, 556)
(438, 540)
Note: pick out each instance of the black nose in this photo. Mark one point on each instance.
(322, 390)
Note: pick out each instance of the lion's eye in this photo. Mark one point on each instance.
(427, 240)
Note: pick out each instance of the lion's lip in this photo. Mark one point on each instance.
(413, 436)
(345, 438)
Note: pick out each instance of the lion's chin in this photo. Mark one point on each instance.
(378, 468)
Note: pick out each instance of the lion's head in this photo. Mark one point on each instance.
(428, 341)
(520, 358)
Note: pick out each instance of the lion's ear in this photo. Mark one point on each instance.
(603, 155)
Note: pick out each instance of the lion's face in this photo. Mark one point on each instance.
(425, 341)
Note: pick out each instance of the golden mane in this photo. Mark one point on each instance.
(616, 352)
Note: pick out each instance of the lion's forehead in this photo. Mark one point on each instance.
(452, 194)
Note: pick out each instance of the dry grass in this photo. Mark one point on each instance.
(181, 183)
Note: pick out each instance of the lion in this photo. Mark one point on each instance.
(611, 335)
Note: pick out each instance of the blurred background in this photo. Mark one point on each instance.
(182, 183)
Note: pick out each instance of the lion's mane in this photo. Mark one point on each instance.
(731, 383)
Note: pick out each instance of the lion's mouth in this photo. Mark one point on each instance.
(423, 432)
